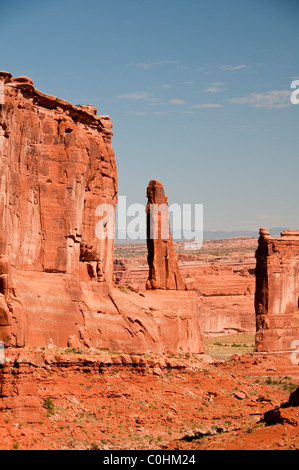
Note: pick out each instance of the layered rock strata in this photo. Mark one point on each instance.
(57, 166)
(277, 291)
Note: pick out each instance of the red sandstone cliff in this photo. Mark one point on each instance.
(277, 291)
(57, 166)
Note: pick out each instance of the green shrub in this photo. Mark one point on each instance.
(49, 405)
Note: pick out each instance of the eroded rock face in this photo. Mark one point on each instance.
(277, 291)
(57, 166)
(164, 271)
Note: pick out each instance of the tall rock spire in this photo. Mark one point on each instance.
(164, 271)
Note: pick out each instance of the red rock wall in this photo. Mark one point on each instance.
(277, 291)
(57, 165)
(226, 298)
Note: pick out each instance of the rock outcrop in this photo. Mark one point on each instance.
(164, 271)
(57, 165)
(277, 291)
(56, 274)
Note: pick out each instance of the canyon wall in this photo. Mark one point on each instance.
(277, 291)
(221, 274)
(56, 275)
(57, 165)
(225, 297)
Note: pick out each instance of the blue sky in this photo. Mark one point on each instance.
(198, 93)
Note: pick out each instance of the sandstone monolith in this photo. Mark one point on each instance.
(164, 271)
(277, 291)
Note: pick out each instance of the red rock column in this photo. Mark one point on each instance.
(164, 271)
(277, 291)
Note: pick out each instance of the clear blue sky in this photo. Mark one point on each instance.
(198, 93)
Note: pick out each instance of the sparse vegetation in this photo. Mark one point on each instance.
(123, 289)
(282, 384)
(49, 405)
(223, 347)
(94, 446)
(109, 351)
(73, 351)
